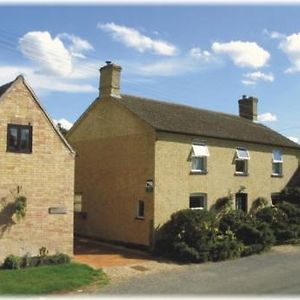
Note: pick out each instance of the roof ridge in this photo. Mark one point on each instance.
(187, 106)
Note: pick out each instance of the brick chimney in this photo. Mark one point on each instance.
(110, 80)
(248, 108)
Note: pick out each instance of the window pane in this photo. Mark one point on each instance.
(277, 157)
(141, 209)
(240, 166)
(198, 201)
(277, 168)
(241, 202)
(25, 139)
(275, 198)
(13, 138)
(242, 153)
(198, 163)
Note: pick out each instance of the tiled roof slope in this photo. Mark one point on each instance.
(5, 87)
(188, 120)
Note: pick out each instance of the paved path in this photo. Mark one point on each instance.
(275, 272)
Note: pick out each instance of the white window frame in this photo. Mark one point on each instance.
(199, 152)
(277, 162)
(138, 216)
(243, 159)
(199, 195)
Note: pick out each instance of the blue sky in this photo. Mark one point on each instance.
(204, 56)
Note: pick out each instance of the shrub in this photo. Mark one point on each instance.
(258, 204)
(248, 231)
(284, 220)
(12, 262)
(186, 237)
(17, 262)
(193, 236)
(225, 248)
(291, 195)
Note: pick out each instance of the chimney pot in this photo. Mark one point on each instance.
(248, 108)
(110, 80)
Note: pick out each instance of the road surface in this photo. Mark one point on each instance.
(276, 272)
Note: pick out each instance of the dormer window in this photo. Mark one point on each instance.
(277, 163)
(241, 161)
(19, 138)
(199, 158)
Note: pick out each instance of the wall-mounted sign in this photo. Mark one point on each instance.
(57, 210)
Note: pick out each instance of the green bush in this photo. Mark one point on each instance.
(12, 262)
(17, 262)
(193, 236)
(284, 220)
(291, 195)
(248, 230)
(258, 204)
(186, 237)
(225, 248)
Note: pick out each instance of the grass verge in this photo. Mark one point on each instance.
(49, 279)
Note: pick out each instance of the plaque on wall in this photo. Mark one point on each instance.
(57, 210)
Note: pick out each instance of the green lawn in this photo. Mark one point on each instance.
(49, 279)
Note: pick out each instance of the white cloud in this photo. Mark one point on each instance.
(294, 139)
(252, 78)
(64, 123)
(134, 39)
(274, 34)
(50, 53)
(248, 82)
(267, 117)
(77, 44)
(200, 54)
(52, 57)
(44, 82)
(290, 45)
(243, 54)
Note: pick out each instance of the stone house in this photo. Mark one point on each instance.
(36, 163)
(141, 160)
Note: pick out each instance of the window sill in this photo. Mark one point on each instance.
(140, 218)
(277, 175)
(197, 208)
(195, 172)
(19, 152)
(241, 174)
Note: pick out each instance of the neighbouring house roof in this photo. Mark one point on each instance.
(170, 117)
(6, 87)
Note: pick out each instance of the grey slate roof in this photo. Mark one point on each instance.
(183, 119)
(5, 87)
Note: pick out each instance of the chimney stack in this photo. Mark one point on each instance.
(248, 108)
(110, 80)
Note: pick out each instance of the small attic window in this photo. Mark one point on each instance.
(19, 138)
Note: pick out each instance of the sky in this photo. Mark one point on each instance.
(198, 55)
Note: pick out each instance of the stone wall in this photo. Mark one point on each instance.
(45, 177)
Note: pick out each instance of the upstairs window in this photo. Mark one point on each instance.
(241, 161)
(19, 138)
(199, 158)
(277, 163)
(198, 201)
